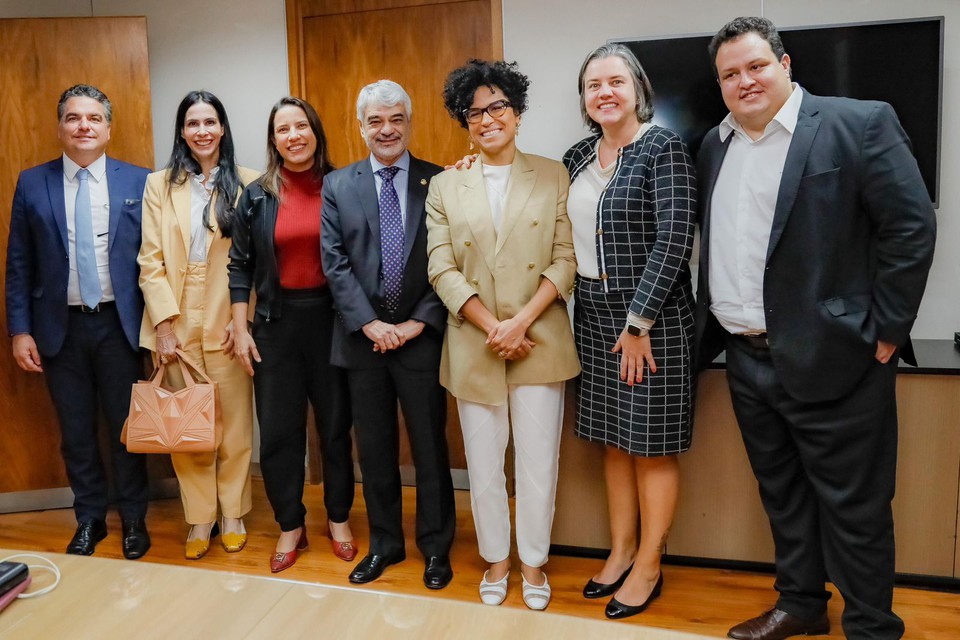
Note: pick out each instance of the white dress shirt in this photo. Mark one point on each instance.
(741, 217)
(100, 213)
(399, 180)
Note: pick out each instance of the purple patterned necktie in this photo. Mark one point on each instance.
(391, 237)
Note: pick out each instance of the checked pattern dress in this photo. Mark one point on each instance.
(645, 223)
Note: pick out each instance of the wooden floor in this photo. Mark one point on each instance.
(694, 600)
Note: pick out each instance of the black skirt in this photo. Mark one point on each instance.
(651, 418)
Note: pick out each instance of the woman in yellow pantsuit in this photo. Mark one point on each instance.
(187, 211)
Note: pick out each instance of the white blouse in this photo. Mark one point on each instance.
(200, 193)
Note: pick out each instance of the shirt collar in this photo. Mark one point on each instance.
(198, 180)
(403, 163)
(786, 117)
(97, 168)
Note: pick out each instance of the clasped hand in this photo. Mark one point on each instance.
(508, 339)
(386, 336)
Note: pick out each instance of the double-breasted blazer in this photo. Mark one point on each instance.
(165, 252)
(469, 258)
(850, 247)
(352, 262)
(38, 264)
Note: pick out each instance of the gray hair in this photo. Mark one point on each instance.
(640, 81)
(383, 92)
(84, 91)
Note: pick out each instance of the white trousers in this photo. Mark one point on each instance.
(536, 413)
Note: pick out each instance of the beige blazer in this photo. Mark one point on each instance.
(467, 257)
(163, 258)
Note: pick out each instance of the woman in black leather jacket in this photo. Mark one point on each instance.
(276, 253)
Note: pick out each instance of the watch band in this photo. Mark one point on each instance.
(634, 330)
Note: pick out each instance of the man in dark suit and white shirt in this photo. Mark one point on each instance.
(817, 236)
(74, 308)
(390, 333)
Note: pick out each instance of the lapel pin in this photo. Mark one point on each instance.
(423, 181)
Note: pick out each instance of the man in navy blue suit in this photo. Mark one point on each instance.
(817, 235)
(74, 307)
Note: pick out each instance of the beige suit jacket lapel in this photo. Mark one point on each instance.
(523, 176)
(180, 197)
(476, 209)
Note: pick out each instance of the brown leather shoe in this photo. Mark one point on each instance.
(777, 625)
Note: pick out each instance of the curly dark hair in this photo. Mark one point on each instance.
(464, 81)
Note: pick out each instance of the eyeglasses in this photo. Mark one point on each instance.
(495, 109)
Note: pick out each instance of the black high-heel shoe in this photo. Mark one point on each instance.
(594, 589)
(617, 610)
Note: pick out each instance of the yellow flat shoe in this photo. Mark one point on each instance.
(233, 542)
(196, 548)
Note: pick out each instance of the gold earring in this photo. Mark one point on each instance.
(471, 143)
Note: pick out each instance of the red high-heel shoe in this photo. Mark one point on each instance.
(346, 551)
(285, 560)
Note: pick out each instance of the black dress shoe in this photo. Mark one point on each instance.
(599, 590)
(616, 610)
(437, 572)
(85, 540)
(372, 567)
(777, 624)
(136, 540)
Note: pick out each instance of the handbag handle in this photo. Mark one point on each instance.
(185, 365)
(185, 360)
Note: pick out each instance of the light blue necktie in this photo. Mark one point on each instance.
(90, 291)
(391, 238)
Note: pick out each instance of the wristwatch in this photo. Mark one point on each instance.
(634, 330)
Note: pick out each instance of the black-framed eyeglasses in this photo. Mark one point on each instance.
(495, 109)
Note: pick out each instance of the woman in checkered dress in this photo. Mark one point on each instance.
(632, 205)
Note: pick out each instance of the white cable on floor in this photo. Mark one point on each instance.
(49, 566)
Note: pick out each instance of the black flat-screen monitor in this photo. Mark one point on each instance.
(900, 62)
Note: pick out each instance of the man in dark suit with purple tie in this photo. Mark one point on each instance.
(390, 332)
(74, 308)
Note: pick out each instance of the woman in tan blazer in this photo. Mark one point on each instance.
(187, 211)
(501, 259)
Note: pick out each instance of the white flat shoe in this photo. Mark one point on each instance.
(493, 593)
(536, 597)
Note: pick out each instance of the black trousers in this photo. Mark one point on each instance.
(424, 403)
(827, 474)
(295, 367)
(96, 368)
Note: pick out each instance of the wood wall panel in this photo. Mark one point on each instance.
(41, 58)
(925, 506)
(719, 513)
(415, 46)
(720, 516)
(313, 8)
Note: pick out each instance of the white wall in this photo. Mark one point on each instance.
(236, 49)
(550, 46)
